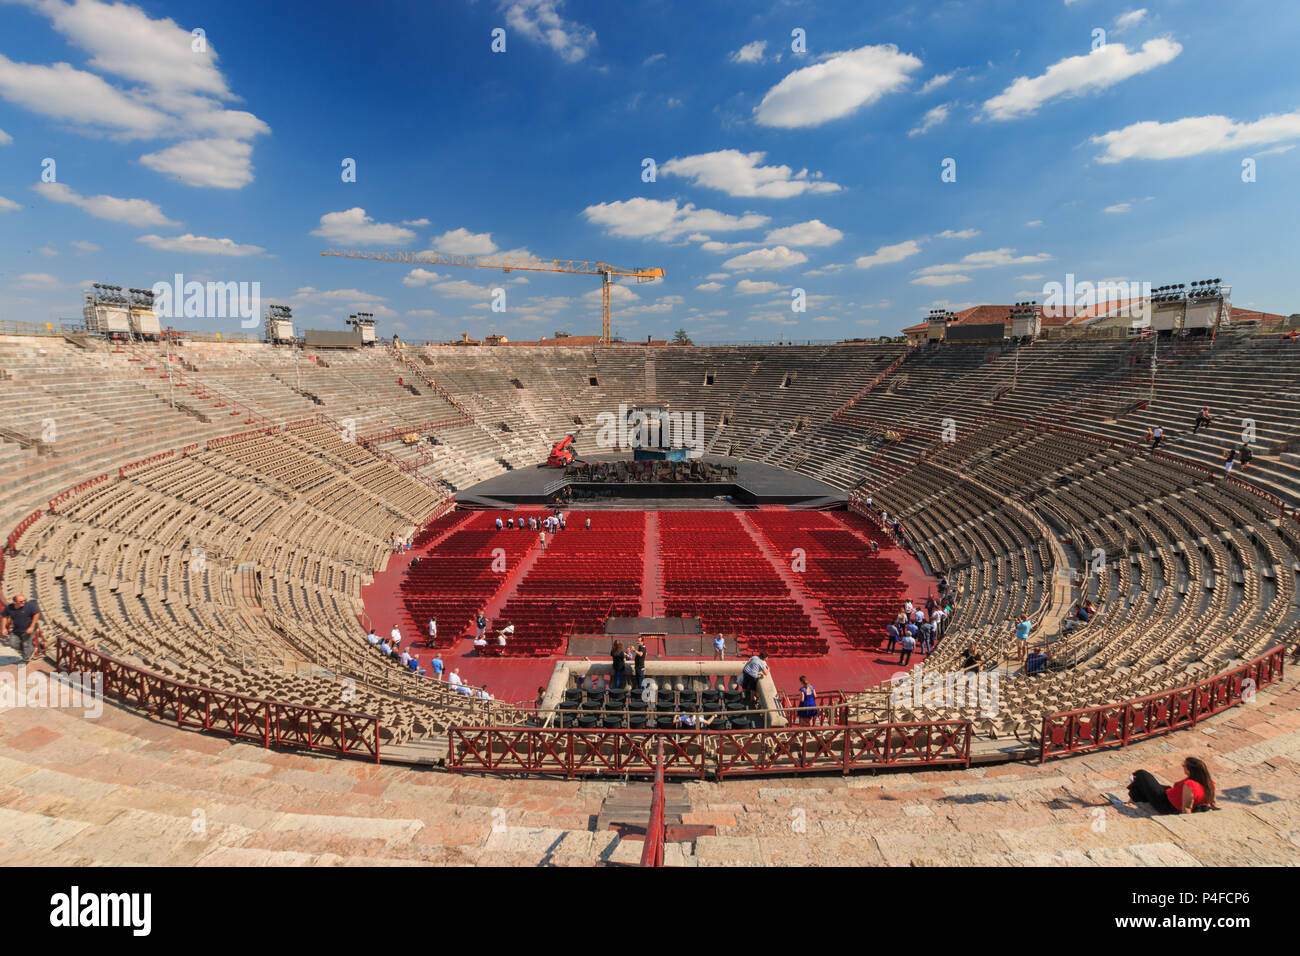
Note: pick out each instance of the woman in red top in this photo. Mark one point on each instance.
(1193, 792)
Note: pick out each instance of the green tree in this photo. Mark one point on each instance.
(681, 338)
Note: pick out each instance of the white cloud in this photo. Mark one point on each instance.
(464, 289)
(1034, 222)
(654, 58)
(462, 242)
(739, 174)
(749, 53)
(886, 255)
(718, 276)
(415, 222)
(1130, 19)
(664, 220)
(218, 163)
(1195, 135)
(81, 245)
(723, 248)
(618, 292)
(989, 259)
(1031, 277)
(5, 138)
(952, 279)
(133, 212)
(8, 205)
(355, 298)
(932, 118)
(200, 245)
(778, 257)
(354, 226)
(1119, 207)
(65, 93)
(814, 232)
(38, 280)
(961, 234)
(830, 269)
(540, 21)
(421, 314)
(1099, 69)
(175, 91)
(835, 87)
(749, 287)
(708, 287)
(418, 277)
(936, 81)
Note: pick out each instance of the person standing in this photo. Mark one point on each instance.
(500, 525)
(719, 648)
(638, 662)
(588, 524)
(907, 646)
(22, 619)
(1202, 419)
(1157, 434)
(755, 668)
(893, 636)
(481, 623)
(433, 631)
(619, 661)
(1227, 462)
(807, 700)
(1246, 455)
(436, 665)
(1022, 637)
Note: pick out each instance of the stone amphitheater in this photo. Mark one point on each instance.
(213, 515)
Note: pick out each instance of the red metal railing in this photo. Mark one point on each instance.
(74, 491)
(652, 854)
(1092, 728)
(235, 715)
(18, 532)
(121, 472)
(697, 753)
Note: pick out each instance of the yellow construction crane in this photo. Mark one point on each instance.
(517, 264)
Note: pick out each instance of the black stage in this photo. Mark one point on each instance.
(755, 484)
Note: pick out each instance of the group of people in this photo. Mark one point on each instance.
(399, 545)
(391, 648)
(919, 626)
(1203, 419)
(548, 524)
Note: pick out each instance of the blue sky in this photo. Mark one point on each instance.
(1115, 157)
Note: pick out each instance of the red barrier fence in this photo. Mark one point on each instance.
(121, 472)
(235, 715)
(652, 854)
(698, 753)
(71, 492)
(1092, 728)
(18, 531)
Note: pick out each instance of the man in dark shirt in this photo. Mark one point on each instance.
(20, 618)
(972, 661)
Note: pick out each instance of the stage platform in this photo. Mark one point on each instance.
(755, 484)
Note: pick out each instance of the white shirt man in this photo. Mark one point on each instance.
(480, 641)
(505, 633)
(396, 635)
(372, 637)
(936, 618)
(433, 630)
(756, 667)
(908, 606)
(500, 524)
(483, 694)
(406, 658)
(453, 678)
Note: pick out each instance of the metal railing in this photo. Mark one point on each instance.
(235, 715)
(701, 753)
(1120, 724)
(652, 854)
